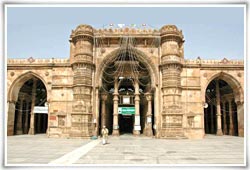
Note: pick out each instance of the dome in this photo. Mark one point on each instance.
(171, 30)
(84, 28)
(82, 31)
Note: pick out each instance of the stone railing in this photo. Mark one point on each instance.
(222, 62)
(126, 30)
(37, 61)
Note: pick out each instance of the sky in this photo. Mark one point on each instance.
(43, 32)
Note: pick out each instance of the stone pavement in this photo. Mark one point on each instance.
(126, 149)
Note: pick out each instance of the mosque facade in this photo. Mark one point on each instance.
(133, 81)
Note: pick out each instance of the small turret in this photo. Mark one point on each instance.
(81, 40)
(172, 41)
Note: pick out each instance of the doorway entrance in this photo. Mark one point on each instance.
(126, 123)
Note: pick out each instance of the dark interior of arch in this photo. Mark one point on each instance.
(120, 66)
(229, 123)
(23, 108)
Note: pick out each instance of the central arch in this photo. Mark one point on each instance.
(153, 70)
(127, 90)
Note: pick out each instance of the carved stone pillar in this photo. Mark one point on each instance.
(212, 118)
(240, 116)
(115, 110)
(137, 125)
(96, 122)
(48, 120)
(33, 102)
(231, 126)
(20, 116)
(148, 122)
(206, 119)
(225, 118)
(104, 116)
(11, 117)
(26, 130)
(218, 114)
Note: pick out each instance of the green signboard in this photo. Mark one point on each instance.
(126, 110)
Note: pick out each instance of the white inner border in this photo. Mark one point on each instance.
(119, 3)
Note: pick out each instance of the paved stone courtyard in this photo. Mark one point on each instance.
(126, 149)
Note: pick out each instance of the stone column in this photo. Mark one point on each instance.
(19, 117)
(115, 111)
(231, 128)
(48, 120)
(206, 123)
(137, 125)
(11, 117)
(97, 113)
(26, 130)
(156, 113)
(212, 118)
(148, 122)
(33, 98)
(225, 118)
(240, 116)
(104, 98)
(218, 114)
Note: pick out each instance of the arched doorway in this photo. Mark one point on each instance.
(126, 93)
(220, 112)
(27, 106)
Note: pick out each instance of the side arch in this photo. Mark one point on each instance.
(18, 82)
(12, 97)
(142, 57)
(232, 82)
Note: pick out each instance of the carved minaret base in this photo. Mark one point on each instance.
(82, 62)
(171, 67)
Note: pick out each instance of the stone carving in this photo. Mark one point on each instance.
(225, 61)
(171, 121)
(31, 59)
(12, 74)
(176, 109)
(103, 50)
(61, 120)
(84, 57)
(191, 121)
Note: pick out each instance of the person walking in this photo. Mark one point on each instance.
(105, 133)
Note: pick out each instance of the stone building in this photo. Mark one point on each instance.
(133, 81)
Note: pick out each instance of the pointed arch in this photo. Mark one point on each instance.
(12, 99)
(18, 83)
(232, 82)
(141, 56)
